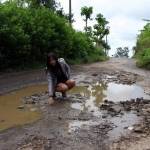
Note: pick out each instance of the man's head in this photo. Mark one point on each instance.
(51, 59)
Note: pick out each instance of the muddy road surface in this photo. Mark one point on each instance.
(109, 109)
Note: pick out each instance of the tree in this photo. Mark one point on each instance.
(142, 49)
(87, 12)
(100, 31)
(60, 12)
(89, 32)
(28, 34)
(70, 14)
(51, 4)
(122, 52)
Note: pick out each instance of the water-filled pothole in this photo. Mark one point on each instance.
(96, 94)
(99, 92)
(112, 91)
(12, 110)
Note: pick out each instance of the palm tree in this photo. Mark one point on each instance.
(87, 12)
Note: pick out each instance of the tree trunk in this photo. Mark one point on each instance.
(86, 21)
(70, 14)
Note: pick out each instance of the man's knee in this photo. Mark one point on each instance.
(61, 87)
(70, 83)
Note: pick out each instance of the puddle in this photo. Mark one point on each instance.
(78, 106)
(99, 92)
(95, 95)
(121, 92)
(122, 123)
(10, 115)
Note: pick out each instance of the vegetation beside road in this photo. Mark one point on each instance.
(30, 29)
(142, 49)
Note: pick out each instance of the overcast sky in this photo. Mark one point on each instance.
(124, 16)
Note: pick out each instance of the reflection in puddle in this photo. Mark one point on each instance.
(121, 92)
(12, 111)
(95, 95)
(78, 106)
(99, 92)
(125, 121)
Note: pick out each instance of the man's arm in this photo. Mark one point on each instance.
(50, 84)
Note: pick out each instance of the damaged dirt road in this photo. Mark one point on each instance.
(108, 110)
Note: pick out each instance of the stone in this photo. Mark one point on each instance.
(60, 118)
(33, 109)
(138, 129)
(130, 128)
(127, 108)
(104, 106)
(21, 107)
(115, 109)
(94, 74)
(104, 116)
(105, 101)
(146, 111)
(138, 100)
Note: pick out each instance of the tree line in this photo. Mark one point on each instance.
(29, 29)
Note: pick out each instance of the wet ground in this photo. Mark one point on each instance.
(108, 107)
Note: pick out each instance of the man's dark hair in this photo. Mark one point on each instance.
(50, 56)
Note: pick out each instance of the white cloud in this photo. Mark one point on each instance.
(125, 17)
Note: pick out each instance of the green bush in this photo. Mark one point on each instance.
(28, 34)
(142, 49)
(144, 59)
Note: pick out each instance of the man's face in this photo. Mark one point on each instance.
(52, 62)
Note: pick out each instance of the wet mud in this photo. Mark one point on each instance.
(107, 110)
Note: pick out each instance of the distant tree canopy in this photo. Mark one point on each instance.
(100, 31)
(142, 49)
(87, 12)
(51, 4)
(122, 52)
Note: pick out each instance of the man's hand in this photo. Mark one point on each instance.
(51, 101)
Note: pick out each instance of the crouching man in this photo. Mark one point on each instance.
(58, 73)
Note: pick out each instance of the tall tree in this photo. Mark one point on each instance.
(87, 12)
(100, 31)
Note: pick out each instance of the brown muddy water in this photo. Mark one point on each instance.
(12, 110)
(11, 115)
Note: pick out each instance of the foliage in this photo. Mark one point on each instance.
(87, 12)
(144, 58)
(50, 4)
(101, 30)
(142, 49)
(122, 52)
(27, 34)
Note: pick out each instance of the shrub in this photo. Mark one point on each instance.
(144, 58)
(28, 34)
